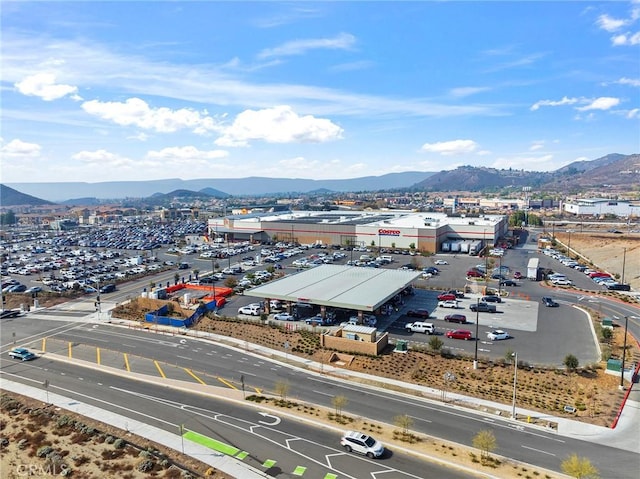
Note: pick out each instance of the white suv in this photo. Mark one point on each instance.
(361, 443)
(420, 327)
(251, 309)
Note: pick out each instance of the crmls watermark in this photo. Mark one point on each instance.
(41, 470)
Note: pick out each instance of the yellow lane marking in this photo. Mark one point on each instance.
(126, 362)
(159, 369)
(70, 356)
(98, 356)
(227, 383)
(44, 345)
(188, 371)
(258, 390)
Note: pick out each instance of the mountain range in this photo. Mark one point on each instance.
(614, 172)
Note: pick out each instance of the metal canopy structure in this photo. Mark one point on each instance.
(349, 287)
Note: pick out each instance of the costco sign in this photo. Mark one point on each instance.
(383, 232)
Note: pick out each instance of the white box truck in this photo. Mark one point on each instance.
(532, 269)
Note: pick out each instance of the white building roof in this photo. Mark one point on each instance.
(349, 287)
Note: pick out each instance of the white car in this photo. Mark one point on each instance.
(361, 443)
(284, 317)
(448, 304)
(562, 282)
(440, 261)
(497, 335)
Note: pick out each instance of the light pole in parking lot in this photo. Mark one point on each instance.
(569, 243)
(515, 382)
(475, 357)
(624, 259)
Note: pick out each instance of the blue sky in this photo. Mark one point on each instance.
(125, 90)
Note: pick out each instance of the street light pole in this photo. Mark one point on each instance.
(624, 259)
(475, 357)
(515, 382)
(624, 351)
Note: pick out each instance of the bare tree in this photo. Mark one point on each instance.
(282, 389)
(339, 402)
(404, 422)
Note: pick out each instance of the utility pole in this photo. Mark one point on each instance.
(475, 357)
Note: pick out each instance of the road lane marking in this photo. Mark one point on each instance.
(324, 394)
(226, 383)
(539, 450)
(98, 356)
(126, 362)
(159, 369)
(190, 373)
(246, 373)
(183, 357)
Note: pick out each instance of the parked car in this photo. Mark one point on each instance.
(549, 302)
(508, 282)
(9, 313)
(562, 282)
(431, 270)
(440, 262)
(362, 444)
(420, 327)
(497, 335)
(453, 304)
(517, 275)
(459, 334)
(456, 293)
(284, 317)
(483, 307)
(456, 318)
(446, 297)
(251, 310)
(492, 298)
(472, 273)
(22, 354)
(418, 313)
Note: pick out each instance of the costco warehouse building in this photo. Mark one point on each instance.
(425, 232)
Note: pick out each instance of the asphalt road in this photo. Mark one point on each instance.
(210, 361)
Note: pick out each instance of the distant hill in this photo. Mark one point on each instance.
(215, 193)
(586, 165)
(11, 197)
(470, 178)
(611, 171)
(89, 201)
(230, 186)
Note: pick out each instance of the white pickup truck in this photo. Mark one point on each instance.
(420, 327)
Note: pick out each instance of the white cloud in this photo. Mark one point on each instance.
(19, 150)
(449, 148)
(605, 22)
(102, 158)
(278, 125)
(537, 145)
(343, 41)
(633, 114)
(44, 85)
(136, 112)
(628, 81)
(602, 103)
(626, 39)
(185, 155)
(564, 101)
(467, 91)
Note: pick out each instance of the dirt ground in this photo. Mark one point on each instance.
(37, 440)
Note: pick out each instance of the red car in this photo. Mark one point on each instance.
(446, 297)
(459, 334)
(456, 318)
(472, 273)
(517, 275)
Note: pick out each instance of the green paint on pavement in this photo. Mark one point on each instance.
(299, 470)
(269, 463)
(242, 455)
(211, 443)
(330, 475)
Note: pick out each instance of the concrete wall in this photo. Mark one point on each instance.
(354, 346)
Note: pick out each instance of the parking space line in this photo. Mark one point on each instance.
(126, 362)
(190, 373)
(227, 383)
(160, 369)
